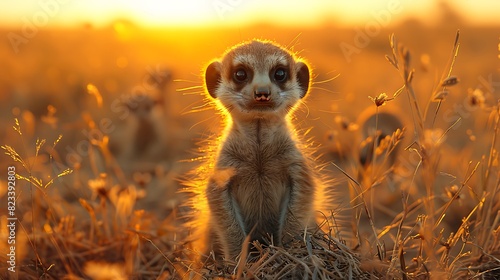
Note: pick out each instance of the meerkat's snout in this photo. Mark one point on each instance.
(262, 94)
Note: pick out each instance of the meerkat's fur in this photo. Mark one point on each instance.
(262, 184)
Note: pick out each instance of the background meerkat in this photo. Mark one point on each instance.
(375, 126)
(262, 184)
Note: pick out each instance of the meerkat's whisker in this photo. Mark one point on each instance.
(192, 109)
(187, 81)
(189, 88)
(323, 89)
(327, 80)
(202, 121)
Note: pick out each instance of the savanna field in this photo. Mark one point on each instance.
(102, 128)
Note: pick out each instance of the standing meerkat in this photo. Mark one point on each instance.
(262, 184)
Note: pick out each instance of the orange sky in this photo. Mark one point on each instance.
(234, 12)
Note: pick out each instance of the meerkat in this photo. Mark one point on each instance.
(376, 126)
(378, 136)
(262, 185)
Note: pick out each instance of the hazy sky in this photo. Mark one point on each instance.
(231, 12)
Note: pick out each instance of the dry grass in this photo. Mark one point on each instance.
(313, 256)
(406, 224)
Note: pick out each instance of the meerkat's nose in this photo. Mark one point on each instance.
(262, 94)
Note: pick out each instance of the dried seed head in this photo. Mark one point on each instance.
(397, 136)
(380, 100)
(476, 97)
(440, 96)
(99, 185)
(450, 81)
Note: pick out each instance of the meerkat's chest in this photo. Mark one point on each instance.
(260, 160)
(263, 169)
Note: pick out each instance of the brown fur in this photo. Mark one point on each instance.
(262, 184)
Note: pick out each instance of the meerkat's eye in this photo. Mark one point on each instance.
(240, 75)
(280, 75)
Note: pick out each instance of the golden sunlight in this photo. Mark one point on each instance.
(187, 12)
(232, 12)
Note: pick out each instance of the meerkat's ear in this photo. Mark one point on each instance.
(303, 77)
(213, 77)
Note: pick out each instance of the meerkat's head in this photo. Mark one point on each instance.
(257, 79)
